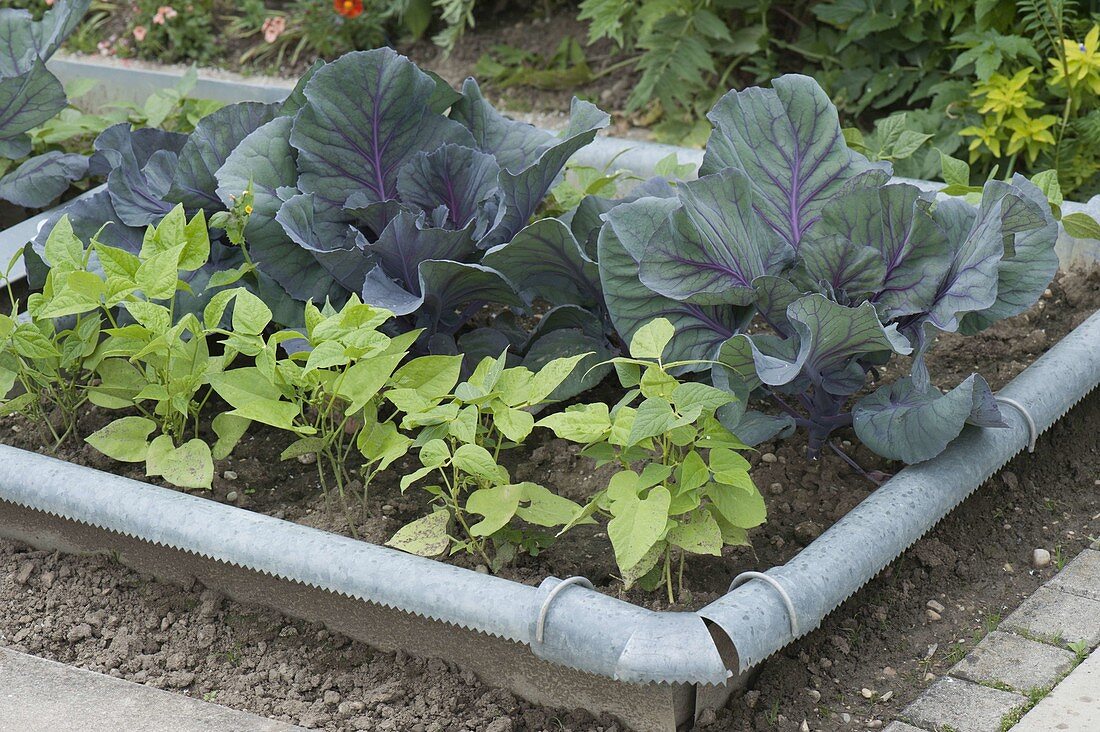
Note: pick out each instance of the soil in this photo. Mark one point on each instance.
(974, 563)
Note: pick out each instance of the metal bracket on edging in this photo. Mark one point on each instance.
(749, 576)
(540, 626)
(1032, 430)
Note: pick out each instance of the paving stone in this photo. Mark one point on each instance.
(963, 706)
(902, 727)
(1073, 706)
(1081, 576)
(37, 695)
(1055, 614)
(1023, 664)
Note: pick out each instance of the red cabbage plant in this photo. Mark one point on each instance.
(789, 230)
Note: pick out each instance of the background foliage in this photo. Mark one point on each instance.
(1013, 84)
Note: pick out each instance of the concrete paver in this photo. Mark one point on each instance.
(1073, 706)
(901, 727)
(1081, 576)
(37, 695)
(1052, 614)
(963, 706)
(1004, 658)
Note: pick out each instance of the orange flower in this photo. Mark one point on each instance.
(348, 8)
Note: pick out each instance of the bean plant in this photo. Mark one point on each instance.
(325, 390)
(43, 371)
(144, 358)
(464, 428)
(682, 488)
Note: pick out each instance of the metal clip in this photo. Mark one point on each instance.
(540, 627)
(746, 576)
(1032, 430)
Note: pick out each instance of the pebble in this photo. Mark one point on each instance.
(815, 695)
(889, 672)
(1007, 568)
(866, 693)
(79, 633)
(501, 724)
(776, 488)
(933, 615)
(23, 576)
(180, 679)
(332, 698)
(482, 569)
(751, 698)
(231, 496)
(1040, 558)
(230, 475)
(808, 530)
(929, 676)
(804, 727)
(934, 605)
(388, 509)
(846, 717)
(1047, 293)
(887, 696)
(308, 458)
(874, 724)
(769, 457)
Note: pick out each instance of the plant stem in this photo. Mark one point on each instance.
(680, 587)
(668, 575)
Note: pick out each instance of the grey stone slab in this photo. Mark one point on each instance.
(902, 727)
(1050, 614)
(1081, 576)
(1004, 658)
(963, 706)
(37, 695)
(1073, 706)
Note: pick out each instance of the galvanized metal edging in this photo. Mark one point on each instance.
(877, 531)
(620, 646)
(587, 630)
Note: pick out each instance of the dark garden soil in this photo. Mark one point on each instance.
(975, 564)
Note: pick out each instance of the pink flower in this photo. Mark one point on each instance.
(139, 33)
(49, 3)
(104, 48)
(273, 28)
(158, 19)
(167, 11)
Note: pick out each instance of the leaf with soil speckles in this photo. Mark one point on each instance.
(125, 439)
(188, 466)
(425, 537)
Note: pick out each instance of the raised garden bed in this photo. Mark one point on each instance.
(653, 669)
(805, 497)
